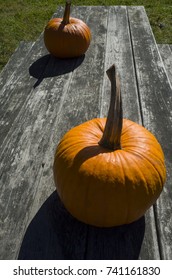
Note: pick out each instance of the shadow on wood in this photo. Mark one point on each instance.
(50, 66)
(54, 234)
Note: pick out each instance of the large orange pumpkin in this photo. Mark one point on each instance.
(67, 37)
(108, 172)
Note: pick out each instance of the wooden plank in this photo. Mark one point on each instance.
(170, 47)
(17, 90)
(20, 149)
(136, 14)
(15, 93)
(150, 247)
(14, 62)
(156, 99)
(119, 52)
(166, 54)
(23, 156)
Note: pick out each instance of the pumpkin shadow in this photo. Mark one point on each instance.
(89, 152)
(54, 234)
(51, 66)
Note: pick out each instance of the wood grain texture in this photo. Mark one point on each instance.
(14, 62)
(23, 150)
(17, 90)
(156, 99)
(119, 52)
(44, 99)
(166, 55)
(23, 156)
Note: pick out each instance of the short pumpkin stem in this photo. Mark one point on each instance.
(111, 138)
(66, 13)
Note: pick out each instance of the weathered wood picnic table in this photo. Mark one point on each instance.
(41, 98)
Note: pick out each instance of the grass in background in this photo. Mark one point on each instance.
(24, 20)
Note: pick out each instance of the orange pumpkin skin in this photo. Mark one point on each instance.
(67, 40)
(108, 188)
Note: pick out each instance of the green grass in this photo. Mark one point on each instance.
(24, 20)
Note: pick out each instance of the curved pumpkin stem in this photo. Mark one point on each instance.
(66, 12)
(113, 128)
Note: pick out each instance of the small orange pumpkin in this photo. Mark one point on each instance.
(108, 172)
(67, 37)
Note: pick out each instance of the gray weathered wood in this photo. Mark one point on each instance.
(156, 99)
(23, 155)
(119, 52)
(166, 54)
(17, 90)
(135, 14)
(14, 62)
(56, 95)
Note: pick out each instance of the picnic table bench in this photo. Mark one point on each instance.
(41, 98)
